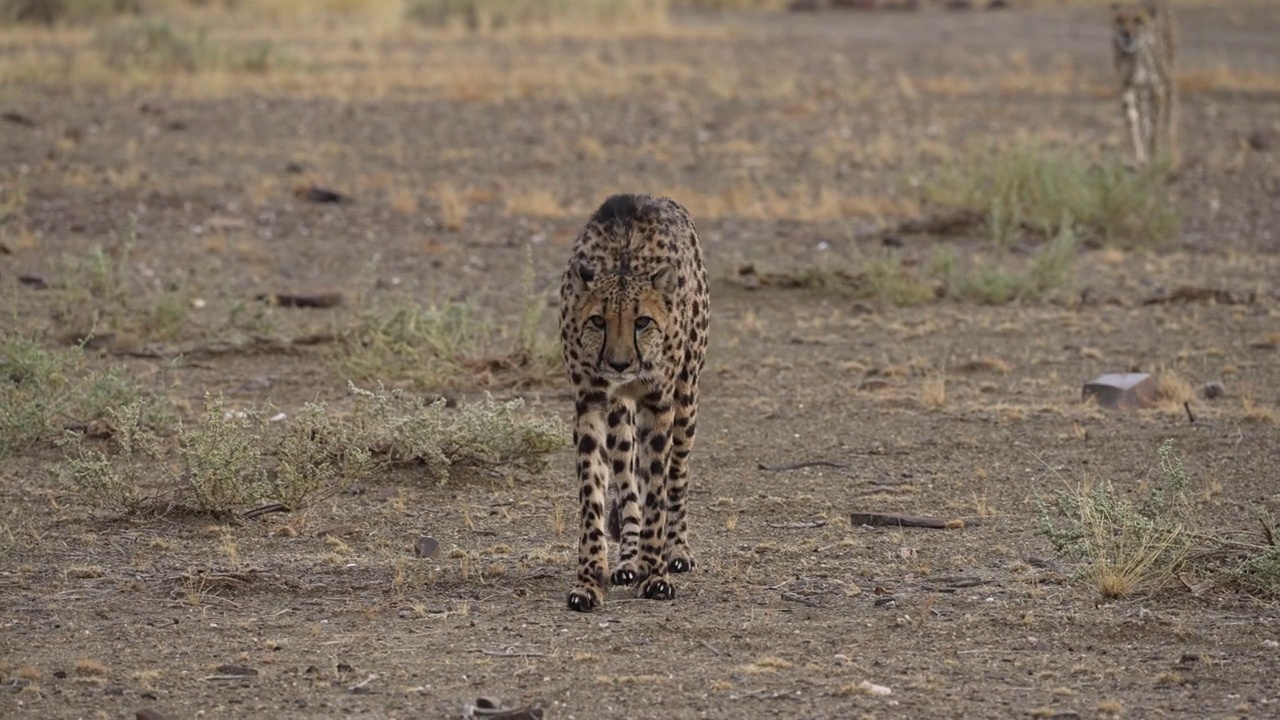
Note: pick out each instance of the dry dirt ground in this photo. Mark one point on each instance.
(791, 138)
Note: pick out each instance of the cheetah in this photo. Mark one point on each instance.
(1144, 41)
(633, 323)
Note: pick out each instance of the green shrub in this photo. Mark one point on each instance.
(233, 461)
(44, 391)
(1040, 191)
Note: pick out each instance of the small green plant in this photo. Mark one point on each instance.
(1260, 568)
(150, 44)
(1002, 282)
(97, 475)
(891, 277)
(222, 459)
(94, 297)
(316, 456)
(1125, 547)
(44, 391)
(1031, 189)
(402, 341)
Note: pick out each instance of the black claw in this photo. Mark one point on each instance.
(581, 602)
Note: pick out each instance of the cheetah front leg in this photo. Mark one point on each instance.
(654, 450)
(624, 513)
(593, 549)
(1132, 116)
(685, 426)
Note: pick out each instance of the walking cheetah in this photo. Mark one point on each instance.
(1145, 42)
(633, 322)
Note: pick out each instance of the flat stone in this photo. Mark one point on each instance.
(1121, 391)
(426, 547)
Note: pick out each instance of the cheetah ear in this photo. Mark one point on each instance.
(664, 280)
(583, 274)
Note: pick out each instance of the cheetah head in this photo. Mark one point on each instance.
(1131, 23)
(621, 322)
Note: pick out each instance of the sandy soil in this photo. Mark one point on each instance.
(951, 409)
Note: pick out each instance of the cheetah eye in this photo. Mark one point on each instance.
(597, 321)
(643, 322)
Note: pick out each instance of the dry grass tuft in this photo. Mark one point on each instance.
(537, 202)
(90, 667)
(453, 207)
(1172, 392)
(1260, 414)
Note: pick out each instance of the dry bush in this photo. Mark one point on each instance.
(1126, 547)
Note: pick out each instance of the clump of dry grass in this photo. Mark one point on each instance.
(453, 207)
(1173, 392)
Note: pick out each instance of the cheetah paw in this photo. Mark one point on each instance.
(681, 564)
(584, 600)
(627, 574)
(657, 588)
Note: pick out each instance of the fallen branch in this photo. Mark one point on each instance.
(801, 466)
(896, 520)
(798, 525)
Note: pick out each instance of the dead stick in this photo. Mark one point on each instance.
(1186, 405)
(895, 520)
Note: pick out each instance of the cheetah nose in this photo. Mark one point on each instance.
(619, 365)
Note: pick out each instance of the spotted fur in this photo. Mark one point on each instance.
(1144, 42)
(633, 323)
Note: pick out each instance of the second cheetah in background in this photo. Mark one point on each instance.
(1144, 43)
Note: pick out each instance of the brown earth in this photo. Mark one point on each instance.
(952, 409)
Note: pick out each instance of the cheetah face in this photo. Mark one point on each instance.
(1131, 24)
(621, 322)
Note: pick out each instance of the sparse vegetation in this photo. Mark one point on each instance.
(483, 436)
(499, 15)
(152, 44)
(94, 297)
(1035, 190)
(400, 340)
(1127, 547)
(44, 391)
(893, 278)
(234, 460)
